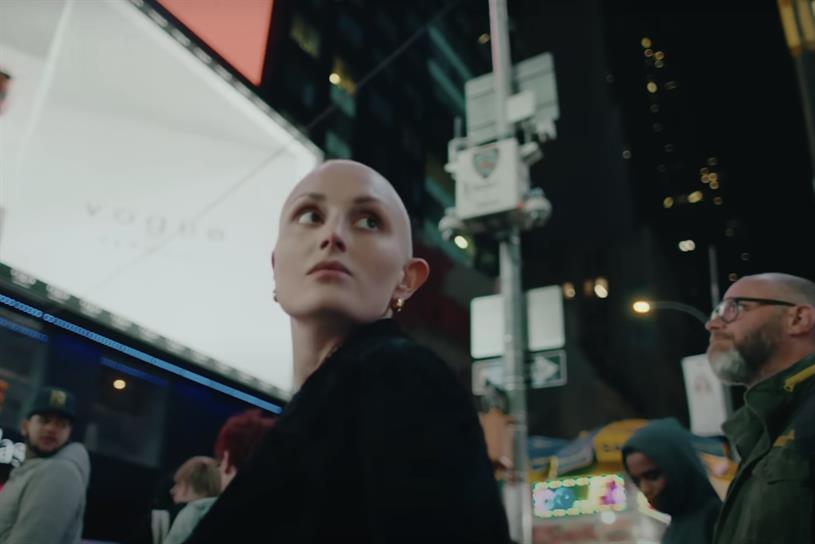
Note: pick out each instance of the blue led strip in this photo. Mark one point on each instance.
(142, 356)
(17, 305)
(21, 329)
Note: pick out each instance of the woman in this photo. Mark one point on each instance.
(197, 485)
(380, 443)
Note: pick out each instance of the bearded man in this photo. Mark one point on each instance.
(762, 336)
(43, 501)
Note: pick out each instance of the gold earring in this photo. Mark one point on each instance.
(397, 305)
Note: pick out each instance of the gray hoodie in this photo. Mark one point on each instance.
(43, 501)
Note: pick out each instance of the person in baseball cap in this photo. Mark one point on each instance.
(44, 498)
(54, 400)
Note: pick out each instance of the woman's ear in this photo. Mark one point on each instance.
(415, 274)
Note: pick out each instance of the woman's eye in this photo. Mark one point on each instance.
(368, 222)
(308, 217)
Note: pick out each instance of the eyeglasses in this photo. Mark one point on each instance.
(728, 309)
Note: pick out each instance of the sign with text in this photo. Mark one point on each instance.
(706, 401)
(141, 177)
(546, 369)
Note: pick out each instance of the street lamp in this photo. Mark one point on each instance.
(645, 306)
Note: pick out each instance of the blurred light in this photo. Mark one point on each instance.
(646, 42)
(656, 127)
(334, 78)
(713, 176)
(687, 245)
(705, 178)
(712, 161)
(588, 288)
(461, 242)
(745, 256)
(729, 232)
(695, 197)
(601, 287)
(626, 154)
(732, 276)
(641, 307)
(569, 290)
(714, 185)
(484, 38)
(669, 148)
(659, 55)
(718, 200)
(704, 170)
(654, 108)
(119, 384)
(671, 85)
(659, 64)
(667, 202)
(648, 53)
(608, 517)
(652, 87)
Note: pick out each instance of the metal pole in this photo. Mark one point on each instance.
(517, 496)
(713, 267)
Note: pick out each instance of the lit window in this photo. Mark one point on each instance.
(695, 197)
(687, 245)
(601, 287)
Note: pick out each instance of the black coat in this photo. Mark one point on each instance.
(381, 444)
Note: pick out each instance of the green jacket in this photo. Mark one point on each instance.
(688, 496)
(770, 500)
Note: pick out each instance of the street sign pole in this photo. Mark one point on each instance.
(517, 496)
(493, 195)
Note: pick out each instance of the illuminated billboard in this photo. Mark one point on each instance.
(141, 177)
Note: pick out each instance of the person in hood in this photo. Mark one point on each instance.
(43, 501)
(662, 462)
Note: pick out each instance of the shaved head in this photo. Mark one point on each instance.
(343, 171)
(784, 286)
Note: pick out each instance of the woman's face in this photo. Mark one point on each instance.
(344, 246)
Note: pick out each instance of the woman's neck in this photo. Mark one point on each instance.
(313, 341)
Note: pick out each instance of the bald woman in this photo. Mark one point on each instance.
(380, 443)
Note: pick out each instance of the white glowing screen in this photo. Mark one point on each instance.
(135, 177)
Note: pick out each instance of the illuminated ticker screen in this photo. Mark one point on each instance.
(579, 496)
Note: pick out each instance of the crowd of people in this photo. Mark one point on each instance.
(381, 443)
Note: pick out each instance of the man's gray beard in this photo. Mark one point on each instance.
(741, 364)
(731, 368)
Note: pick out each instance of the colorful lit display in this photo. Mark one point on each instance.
(579, 496)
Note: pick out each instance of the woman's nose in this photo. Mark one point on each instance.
(333, 237)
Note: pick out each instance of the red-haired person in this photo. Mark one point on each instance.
(238, 438)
